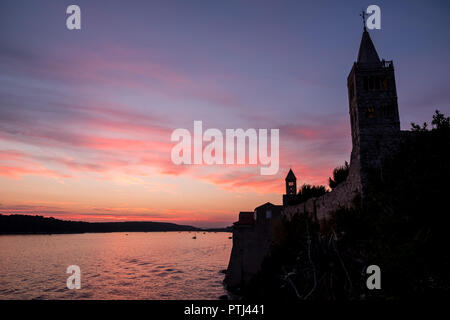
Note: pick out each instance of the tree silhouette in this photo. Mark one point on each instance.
(308, 191)
(339, 175)
(439, 122)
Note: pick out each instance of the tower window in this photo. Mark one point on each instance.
(290, 184)
(370, 112)
(384, 83)
(377, 83)
(374, 83)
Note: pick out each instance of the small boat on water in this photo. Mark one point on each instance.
(194, 237)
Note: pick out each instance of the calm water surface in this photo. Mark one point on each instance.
(152, 265)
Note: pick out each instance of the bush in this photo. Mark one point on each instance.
(340, 174)
(308, 191)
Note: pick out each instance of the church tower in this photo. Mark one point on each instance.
(291, 188)
(374, 116)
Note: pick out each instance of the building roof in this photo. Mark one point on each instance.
(245, 217)
(367, 53)
(290, 175)
(268, 204)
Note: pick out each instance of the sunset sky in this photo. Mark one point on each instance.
(86, 116)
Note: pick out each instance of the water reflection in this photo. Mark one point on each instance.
(159, 265)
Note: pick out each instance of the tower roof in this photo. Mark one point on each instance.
(367, 53)
(291, 175)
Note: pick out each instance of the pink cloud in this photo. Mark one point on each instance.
(16, 172)
(124, 69)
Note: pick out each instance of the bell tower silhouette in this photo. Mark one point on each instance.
(373, 108)
(291, 187)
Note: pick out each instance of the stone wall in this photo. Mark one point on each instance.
(251, 244)
(321, 207)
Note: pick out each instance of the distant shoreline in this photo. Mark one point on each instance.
(60, 233)
(39, 225)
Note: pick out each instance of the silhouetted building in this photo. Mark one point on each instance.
(291, 188)
(246, 218)
(266, 213)
(375, 128)
(373, 108)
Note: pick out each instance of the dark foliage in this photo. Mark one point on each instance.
(308, 191)
(439, 122)
(340, 174)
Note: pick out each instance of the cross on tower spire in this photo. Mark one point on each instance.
(363, 15)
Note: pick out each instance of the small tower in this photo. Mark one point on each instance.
(373, 109)
(291, 188)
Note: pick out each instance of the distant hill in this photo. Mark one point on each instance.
(226, 229)
(24, 224)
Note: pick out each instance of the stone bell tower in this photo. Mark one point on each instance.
(291, 188)
(373, 108)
